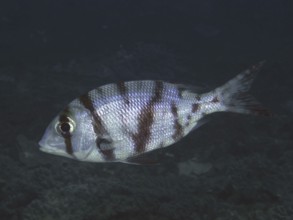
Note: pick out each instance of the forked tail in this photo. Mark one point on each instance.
(234, 94)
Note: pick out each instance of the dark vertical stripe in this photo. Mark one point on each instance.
(63, 118)
(158, 92)
(98, 127)
(188, 117)
(146, 119)
(97, 121)
(215, 99)
(123, 91)
(195, 107)
(178, 130)
(188, 120)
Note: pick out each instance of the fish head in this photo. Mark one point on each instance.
(71, 134)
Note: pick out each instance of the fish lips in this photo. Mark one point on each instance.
(51, 145)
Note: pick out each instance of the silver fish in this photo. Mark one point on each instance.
(117, 122)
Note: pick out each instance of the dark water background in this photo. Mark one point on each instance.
(234, 167)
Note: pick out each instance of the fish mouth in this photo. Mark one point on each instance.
(51, 142)
(42, 144)
(46, 146)
(50, 148)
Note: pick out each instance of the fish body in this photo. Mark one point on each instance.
(119, 121)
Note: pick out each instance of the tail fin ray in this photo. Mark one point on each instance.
(234, 94)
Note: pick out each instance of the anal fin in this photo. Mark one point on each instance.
(141, 160)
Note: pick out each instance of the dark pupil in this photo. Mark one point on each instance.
(65, 127)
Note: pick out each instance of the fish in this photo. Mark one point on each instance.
(119, 122)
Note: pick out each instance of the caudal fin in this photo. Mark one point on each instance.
(234, 94)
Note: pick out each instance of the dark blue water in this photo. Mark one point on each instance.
(233, 167)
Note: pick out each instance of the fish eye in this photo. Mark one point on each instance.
(65, 127)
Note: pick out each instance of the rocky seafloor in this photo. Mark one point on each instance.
(233, 167)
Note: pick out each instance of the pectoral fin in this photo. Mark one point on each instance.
(106, 148)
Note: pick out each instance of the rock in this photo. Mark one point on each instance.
(192, 167)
